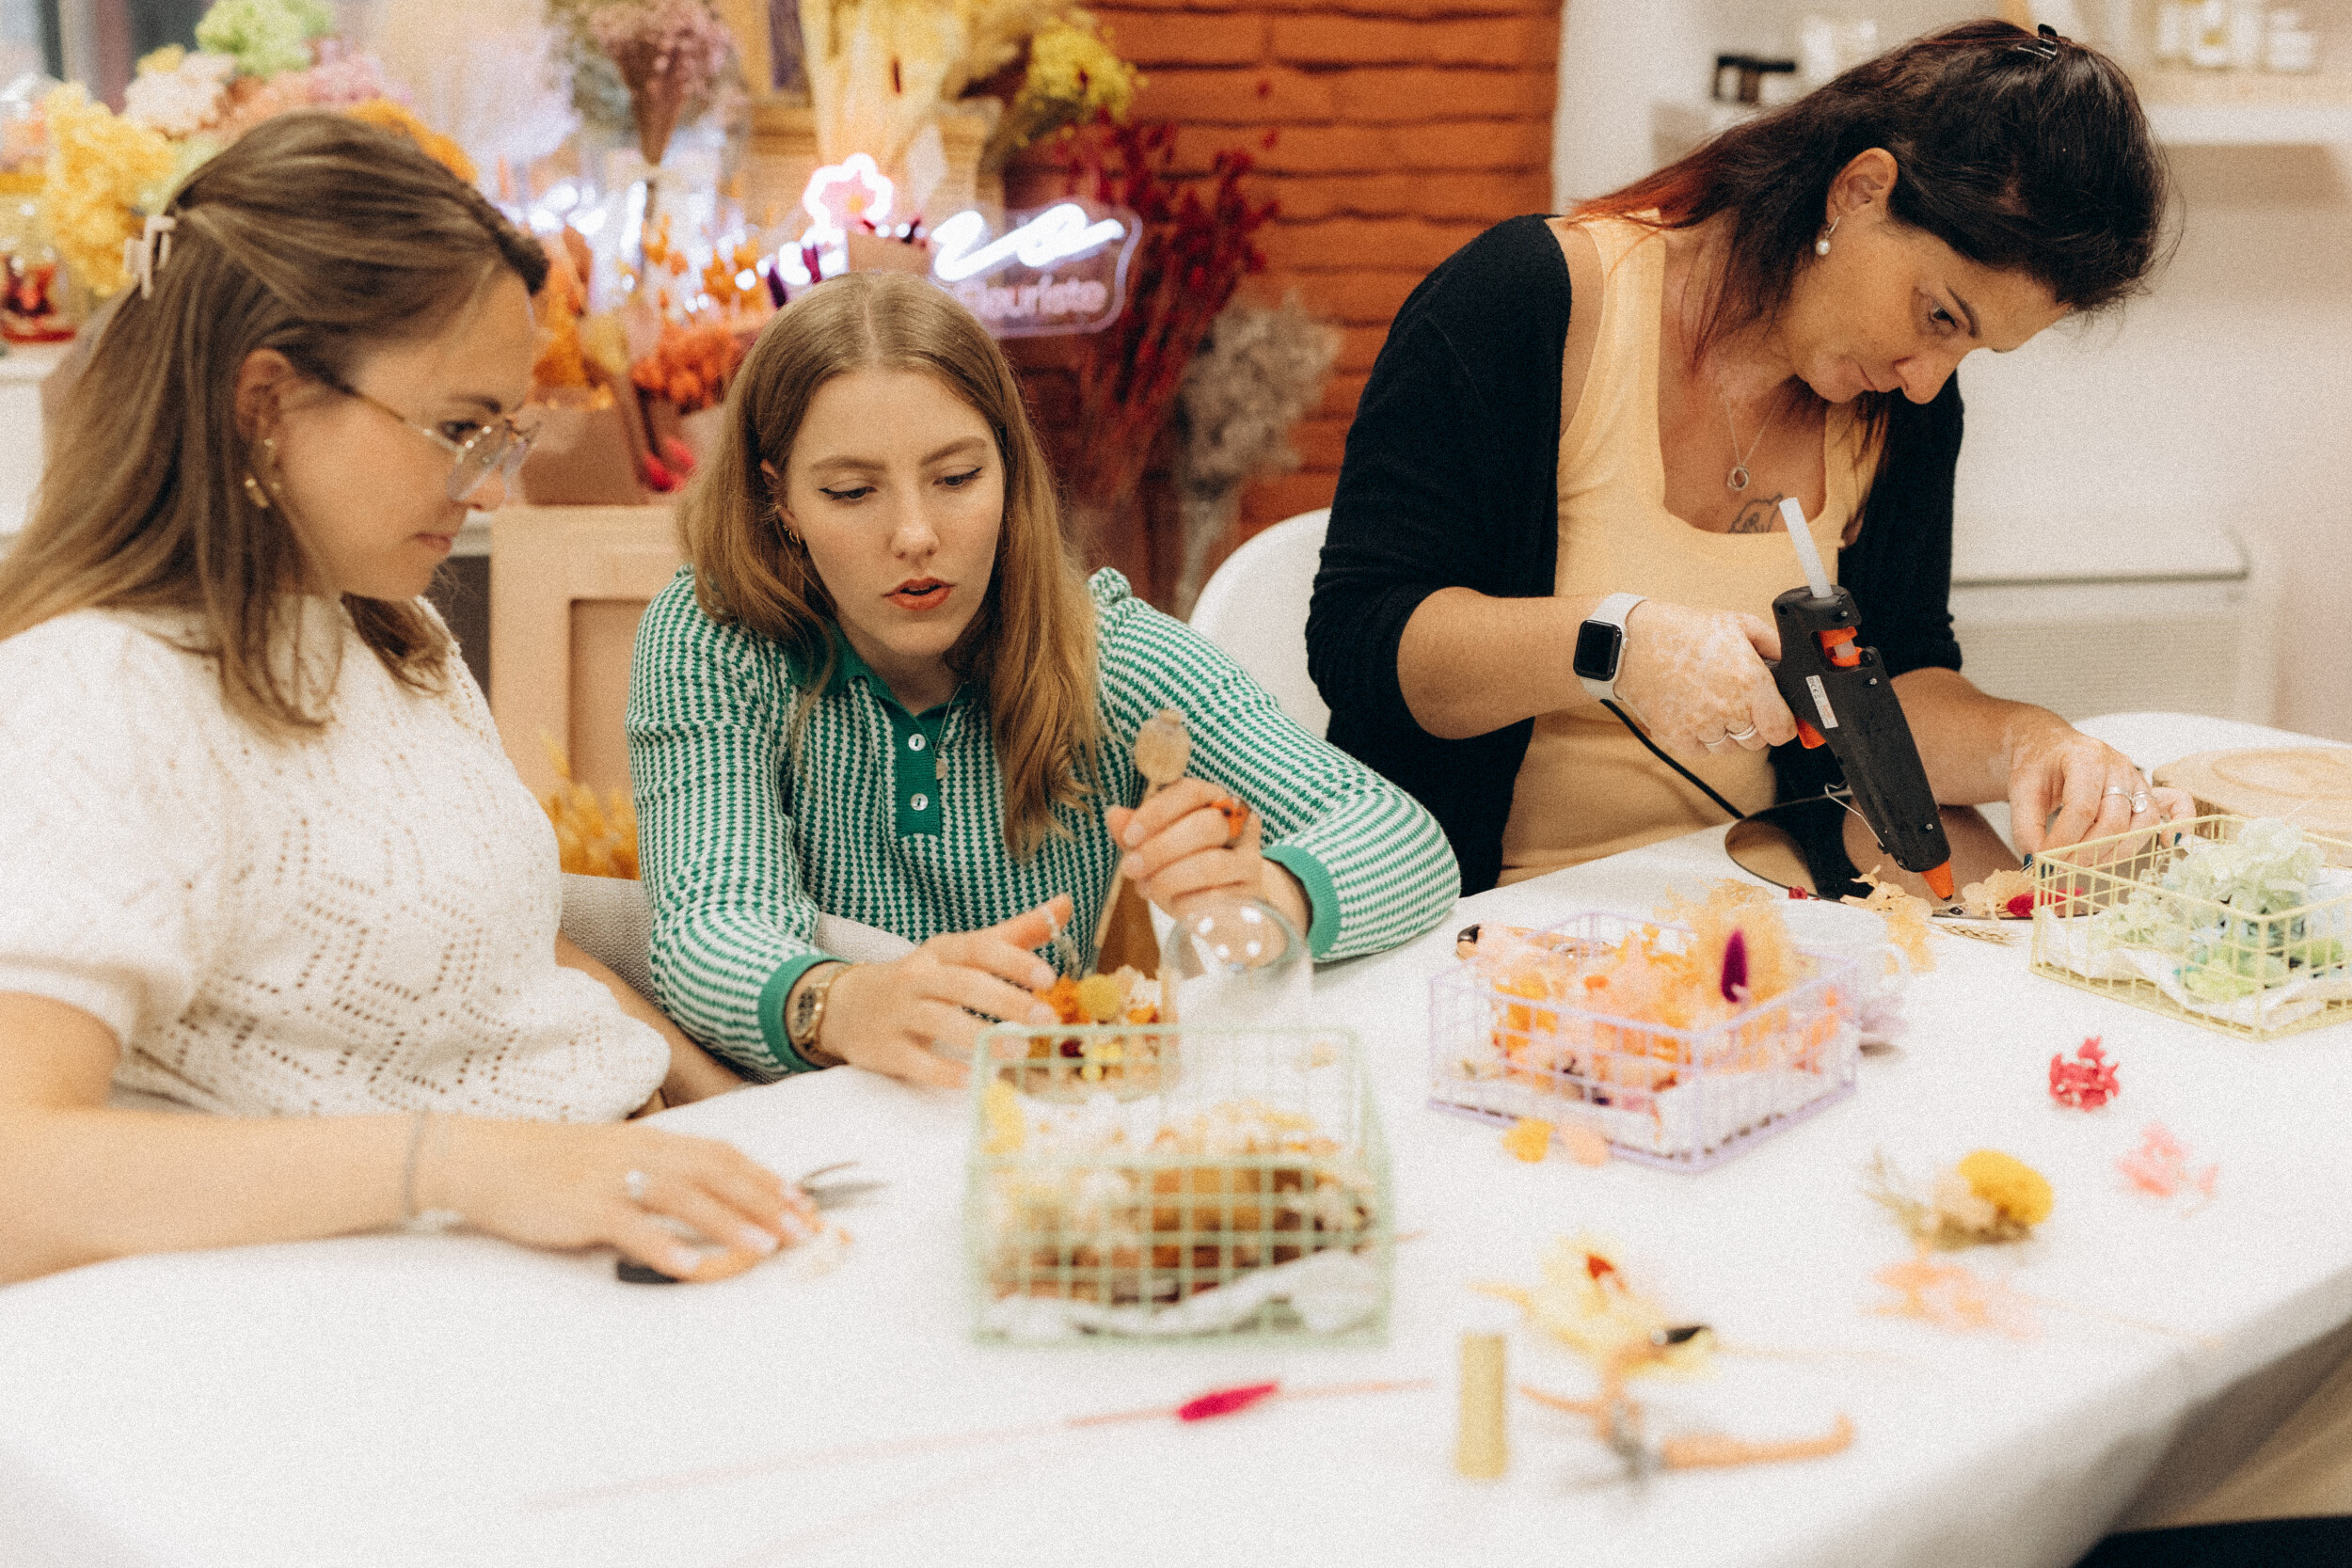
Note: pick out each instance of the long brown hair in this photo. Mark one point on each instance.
(314, 235)
(2017, 151)
(1032, 645)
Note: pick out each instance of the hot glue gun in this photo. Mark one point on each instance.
(1842, 695)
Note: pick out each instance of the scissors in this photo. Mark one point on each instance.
(825, 1194)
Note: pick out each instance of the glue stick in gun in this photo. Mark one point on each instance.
(1841, 694)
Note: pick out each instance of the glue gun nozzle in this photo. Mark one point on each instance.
(1939, 880)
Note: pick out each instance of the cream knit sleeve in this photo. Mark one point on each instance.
(111, 825)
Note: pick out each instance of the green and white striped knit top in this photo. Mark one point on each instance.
(897, 819)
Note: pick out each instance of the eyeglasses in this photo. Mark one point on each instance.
(492, 449)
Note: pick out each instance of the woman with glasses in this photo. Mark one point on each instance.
(260, 853)
(1548, 514)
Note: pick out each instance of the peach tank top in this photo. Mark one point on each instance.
(1587, 787)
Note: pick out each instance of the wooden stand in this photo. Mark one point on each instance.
(2310, 786)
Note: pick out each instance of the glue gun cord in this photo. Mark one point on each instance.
(1627, 720)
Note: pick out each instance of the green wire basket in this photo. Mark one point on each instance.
(1197, 1184)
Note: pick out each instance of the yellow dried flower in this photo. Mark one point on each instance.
(386, 115)
(102, 169)
(2009, 1185)
(1529, 1139)
(1008, 1128)
(1101, 998)
(164, 61)
(1070, 65)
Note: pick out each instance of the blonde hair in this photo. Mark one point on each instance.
(313, 235)
(1032, 645)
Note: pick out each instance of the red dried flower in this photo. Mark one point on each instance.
(2086, 1083)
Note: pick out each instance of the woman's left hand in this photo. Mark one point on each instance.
(1181, 844)
(2093, 788)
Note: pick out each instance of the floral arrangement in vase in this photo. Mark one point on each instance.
(670, 54)
(882, 73)
(1199, 243)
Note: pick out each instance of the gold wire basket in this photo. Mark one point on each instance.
(1246, 1194)
(2105, 922)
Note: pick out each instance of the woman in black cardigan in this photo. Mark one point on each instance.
(1780, 313)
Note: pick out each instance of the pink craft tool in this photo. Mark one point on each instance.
(1202, 1407)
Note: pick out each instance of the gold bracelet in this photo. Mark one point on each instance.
(412, 1219)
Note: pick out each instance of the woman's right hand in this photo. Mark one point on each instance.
(1696, 677)
(553, 1184)
(884, 1017)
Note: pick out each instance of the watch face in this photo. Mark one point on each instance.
(1598, 645)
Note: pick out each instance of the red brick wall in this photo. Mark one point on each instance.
(1401, 128)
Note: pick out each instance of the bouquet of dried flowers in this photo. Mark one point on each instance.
(1259, 370)
(256, 59)
(692, 367)
(1193, 255)
(671, 54)
(1072, 78)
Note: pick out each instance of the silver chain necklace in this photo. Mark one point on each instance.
(1738, 479)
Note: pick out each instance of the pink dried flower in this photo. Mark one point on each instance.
(2159, 1166)
(2088, 1081)
(1735, 980)
(669, 52)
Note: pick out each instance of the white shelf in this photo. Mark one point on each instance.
(2251, 124)
(1675, 128)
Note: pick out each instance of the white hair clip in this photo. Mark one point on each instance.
(144, 257)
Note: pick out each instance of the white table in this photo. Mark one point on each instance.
(386, 1400)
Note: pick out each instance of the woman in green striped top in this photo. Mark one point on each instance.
(881, 689)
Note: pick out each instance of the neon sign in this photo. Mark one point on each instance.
(1059, 233)
(1058, 269)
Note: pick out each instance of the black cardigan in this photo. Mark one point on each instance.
(1451, 480)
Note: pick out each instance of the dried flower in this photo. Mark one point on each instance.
(1259, 369)
(2088, 1081)
(1587, 1304)
(1952, 1296)
(1529, 1139)
(386, 115)
(1072, 77)
(1192, 257)
(691, 366)
(669, 53)
(179, 93)
(101, 169)
(2159, 1166)
(1989, 1196)
(267, 38)
(1906, 919)
(2017, 1190)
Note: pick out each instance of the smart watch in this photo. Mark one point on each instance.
(1600, 645)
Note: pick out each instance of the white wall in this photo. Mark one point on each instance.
(2226, 395)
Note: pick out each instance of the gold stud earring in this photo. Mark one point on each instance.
(254, 493)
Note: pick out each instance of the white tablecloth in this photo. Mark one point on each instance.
(385, 1401)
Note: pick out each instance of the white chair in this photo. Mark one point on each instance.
(1255, 609)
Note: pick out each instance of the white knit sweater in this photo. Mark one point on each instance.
(360, 921)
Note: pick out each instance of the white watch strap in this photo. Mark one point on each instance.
(1613, 610)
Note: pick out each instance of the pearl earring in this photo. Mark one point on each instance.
(1821, 246)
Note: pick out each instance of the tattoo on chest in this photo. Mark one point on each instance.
(1758, 514)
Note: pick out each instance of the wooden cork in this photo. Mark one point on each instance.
(1483, 1450)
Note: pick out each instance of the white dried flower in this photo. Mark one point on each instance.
(184, 100)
